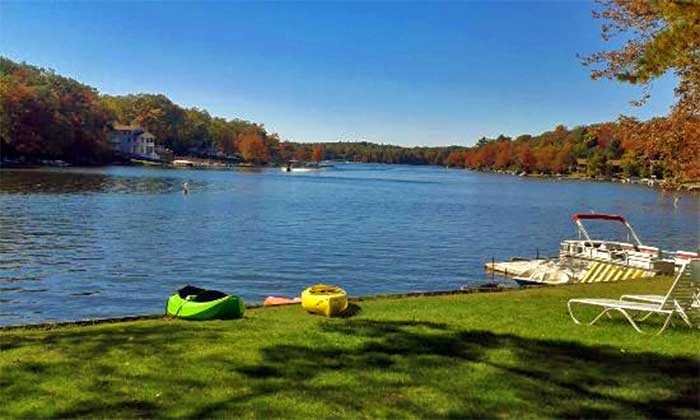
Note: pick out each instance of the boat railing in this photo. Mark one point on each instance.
(618, 262)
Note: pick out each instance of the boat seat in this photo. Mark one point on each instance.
(209, 295)
(200, 295)
(189, 291)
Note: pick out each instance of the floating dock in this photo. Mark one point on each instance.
(514, 268)
(582, 270)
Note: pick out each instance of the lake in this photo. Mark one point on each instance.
(83, 243)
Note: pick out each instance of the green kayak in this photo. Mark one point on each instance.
(200, 304)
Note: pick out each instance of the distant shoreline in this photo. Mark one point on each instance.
(204, 163)
(691, 186)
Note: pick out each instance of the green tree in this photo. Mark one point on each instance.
(597, 165)
(614, 149)
(195, 130)
(631, 164)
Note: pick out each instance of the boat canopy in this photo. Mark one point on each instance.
(598, 216)
(578, 217)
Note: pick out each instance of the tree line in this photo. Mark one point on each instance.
(654, 38)
(658, 37)
(624, 147)
(44, 115)
(367, 152)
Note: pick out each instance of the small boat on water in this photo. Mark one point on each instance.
(631, 252)
(199, 304)
(325, 300)
(297, 166)
(590, 260)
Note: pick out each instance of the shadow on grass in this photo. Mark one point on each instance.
(352, 310)
(351, 368)
(85, 356)
(459, 369)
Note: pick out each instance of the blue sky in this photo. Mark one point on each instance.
(400, 73)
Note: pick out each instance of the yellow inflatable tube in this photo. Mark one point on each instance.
(325, 300)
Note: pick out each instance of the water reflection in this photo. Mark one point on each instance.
(29, 181)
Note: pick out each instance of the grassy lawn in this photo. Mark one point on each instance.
(513, 354)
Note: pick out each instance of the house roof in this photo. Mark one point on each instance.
(135, 129)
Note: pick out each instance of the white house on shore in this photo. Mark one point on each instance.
(133, 141)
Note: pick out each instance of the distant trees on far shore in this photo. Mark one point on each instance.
(189, 130)
(47, 116)
(44, 115)
(596, 150)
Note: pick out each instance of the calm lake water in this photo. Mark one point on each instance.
(84, 243)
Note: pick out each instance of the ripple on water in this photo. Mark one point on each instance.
(117, 241)
(78, 181)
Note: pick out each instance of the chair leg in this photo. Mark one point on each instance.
(571, 313)
(606, 311)
(683, 315)
(645, 317)
(666, 324)
(629, 318)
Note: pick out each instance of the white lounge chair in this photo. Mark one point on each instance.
(679, 300)
(695, 275)
(655, 299)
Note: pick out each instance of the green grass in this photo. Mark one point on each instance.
(513, 354)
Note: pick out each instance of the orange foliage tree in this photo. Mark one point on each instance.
(455, 160)
(44, 115)
(660, 36)
(504, 154)
(317, 152)
(527, 159)
(544, 157)
(253, 148)
(563, 160)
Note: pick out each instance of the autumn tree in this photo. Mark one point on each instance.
(272, 143)
(302, 153)
(469, 157)
(526, 158)
(660, 36)
(317, 152)
(544, 158)
(563, 159)
(253, 149)
(504, 154)
(455, 160)
(285, 151)
(486, 155)
(45, 115)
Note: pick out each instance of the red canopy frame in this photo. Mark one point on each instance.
(578, 217)
(598, 216)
